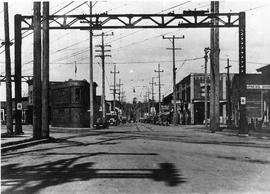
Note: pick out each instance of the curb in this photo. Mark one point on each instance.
(23, 145)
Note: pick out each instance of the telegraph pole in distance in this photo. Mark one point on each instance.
(148, 97)
(114, 86)
(172, 39)
(8, 71)
(229, 92)
(120, 92)
(102, 56)
(159, 86)
(206, 51)
(152, 87)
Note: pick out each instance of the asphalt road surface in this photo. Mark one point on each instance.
(139, 158)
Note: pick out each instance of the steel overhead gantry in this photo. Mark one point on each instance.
(189, 19)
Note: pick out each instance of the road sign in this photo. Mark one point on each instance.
(243, 100)
(19, 106)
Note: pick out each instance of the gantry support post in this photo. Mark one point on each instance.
(242, 74)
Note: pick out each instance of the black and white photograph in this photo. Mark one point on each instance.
(135, 97)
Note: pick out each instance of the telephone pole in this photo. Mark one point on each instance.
(152, 87)
(159, 87)
(18, 72)
(102, 56)
(8, 71)
(148, 97)
(206, 51)
(37, 72)
(91, 79)
(120, 92)
(229, 108)
(172, 39)
(214, 70)
(45, 72)
(114, 86)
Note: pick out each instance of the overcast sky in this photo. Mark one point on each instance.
(137, 52)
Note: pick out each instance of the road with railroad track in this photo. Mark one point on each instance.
(139, 158)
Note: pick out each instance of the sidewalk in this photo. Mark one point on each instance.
(5, 140)
(262, 134)
(9, 143)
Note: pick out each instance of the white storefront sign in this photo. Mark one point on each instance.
(258, 87)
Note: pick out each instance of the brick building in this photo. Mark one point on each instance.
(190, 98)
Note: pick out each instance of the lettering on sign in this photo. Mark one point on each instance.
(258, 87)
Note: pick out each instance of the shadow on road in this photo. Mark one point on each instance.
(33, 178)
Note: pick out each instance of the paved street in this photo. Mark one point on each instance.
(139, 158)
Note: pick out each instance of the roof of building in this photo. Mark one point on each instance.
(264, 69)
(187, 78)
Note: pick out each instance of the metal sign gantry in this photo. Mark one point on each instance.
(189, 19)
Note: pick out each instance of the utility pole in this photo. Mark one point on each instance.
(102, 56)
(114, 86)
(159, 87)
(148, 98)
(229, 108)
(152, 87)
(206, 51)
(37, 72)
(91, 82)
(8, 71)
(214, 70)
(122, 95)
(172, 39)
(45, 71)
(18, 73)
(120, 92)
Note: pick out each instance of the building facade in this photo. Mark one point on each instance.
(190, 98)
(257, 98)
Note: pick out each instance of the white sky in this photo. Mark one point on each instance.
(137, 52)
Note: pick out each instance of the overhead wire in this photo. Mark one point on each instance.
(41, 21)
(29, 62)
(135, 31)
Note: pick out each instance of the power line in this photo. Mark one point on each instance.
(134, 43)
(175, 6)
(52, 14)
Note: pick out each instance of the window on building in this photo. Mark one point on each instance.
(77, 94)
(2, 115)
